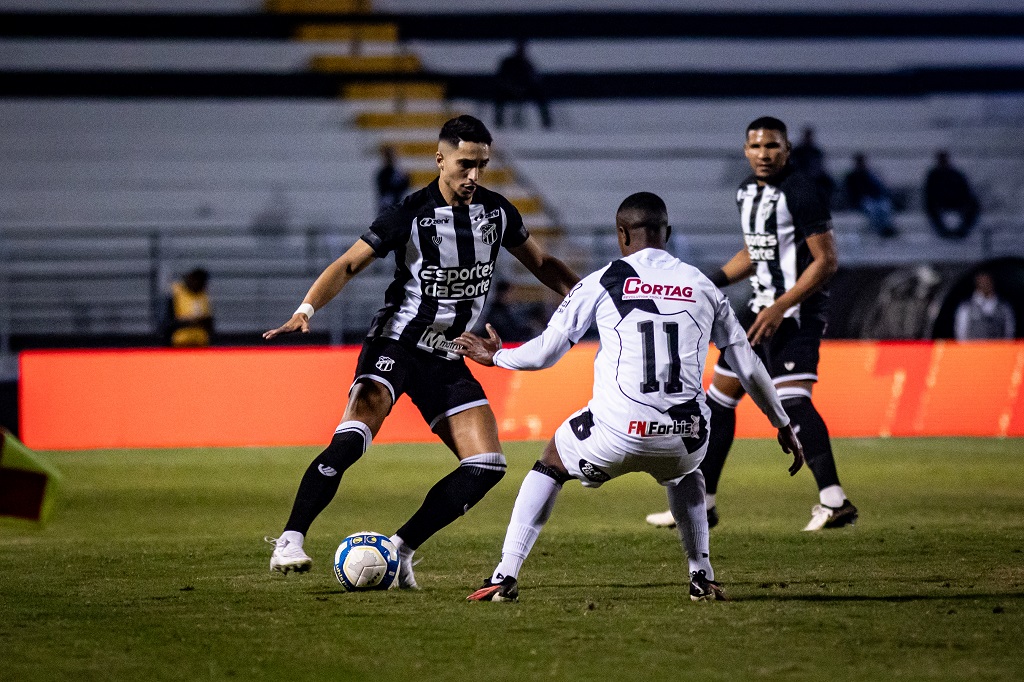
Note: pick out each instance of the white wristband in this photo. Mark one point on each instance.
(306, 309)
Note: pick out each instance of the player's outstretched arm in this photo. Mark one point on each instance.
(480, 350)
(330, 282)
(552, 273)
(790, 443)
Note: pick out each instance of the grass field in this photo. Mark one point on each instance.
(154, 567)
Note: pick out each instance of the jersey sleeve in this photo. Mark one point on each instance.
(726, 330)
(515, 231)
(577, 311)
(390, 230)
(809, 209)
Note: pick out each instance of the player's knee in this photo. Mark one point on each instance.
(345, 449)
(560, 477)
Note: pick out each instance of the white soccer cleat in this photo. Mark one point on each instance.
(288, 556)
(823, 516)
(406, 578)
(662, 519)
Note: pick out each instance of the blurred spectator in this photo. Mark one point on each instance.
(392, 182)
(808, 158)
(517, 81)
(510, 320)
(946, 189)
(191, 315)
(984, 315)
(866, 191)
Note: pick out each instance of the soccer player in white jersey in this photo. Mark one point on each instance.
(445, 239)
(789, 255)
(656, 316)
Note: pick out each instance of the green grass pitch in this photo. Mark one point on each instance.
(154, 568)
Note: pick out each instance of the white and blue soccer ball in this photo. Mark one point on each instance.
(366, 561)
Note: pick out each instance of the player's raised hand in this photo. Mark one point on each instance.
(790, 443)
(298, 323)
(479, 349)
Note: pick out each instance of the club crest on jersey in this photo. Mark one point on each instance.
(488, 233)
(593, 473)
(684, 428)
(635, 287)
(384, 363)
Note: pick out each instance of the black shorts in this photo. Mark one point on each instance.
(438, 387)
(791, 354)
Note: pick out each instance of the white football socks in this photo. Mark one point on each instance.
(533, 507)
(832, 496)
(686, 500)
(291, 537)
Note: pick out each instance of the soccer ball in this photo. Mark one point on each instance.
(366, 561)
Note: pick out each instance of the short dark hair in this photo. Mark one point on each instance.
(651, 206)
(465, 128)
(768, 123)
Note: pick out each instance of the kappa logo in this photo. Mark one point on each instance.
(326, 470)
(384, 363)
(789, 365)
(488, 233)
(593, 473)
(436, 239)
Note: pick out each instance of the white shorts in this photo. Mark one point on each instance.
(593, 455)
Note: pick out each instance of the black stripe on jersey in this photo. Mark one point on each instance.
(430, 253)
(394, 295)
(755, 206)
(465, 242)
(613, 280)
(771, 226)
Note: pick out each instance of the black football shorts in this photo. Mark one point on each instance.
(437, 387)
(791, 354)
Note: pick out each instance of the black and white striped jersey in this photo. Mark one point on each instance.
(444, 262)
(777, 218)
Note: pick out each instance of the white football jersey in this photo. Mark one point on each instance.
(656, 316)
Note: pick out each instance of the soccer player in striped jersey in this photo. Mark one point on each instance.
(656, 316)
(445, 239)
(789, 256)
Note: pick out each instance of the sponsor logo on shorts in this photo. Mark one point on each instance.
(457, 282)
(592, 472)
(635, 287)
(488, 233)
(684, 428)
(384, 363)
(326, 470)
(436, 339)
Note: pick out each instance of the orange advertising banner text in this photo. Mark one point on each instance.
(86, 399)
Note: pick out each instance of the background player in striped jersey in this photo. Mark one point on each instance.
(655, 315)
(445, 239)
(789, 256)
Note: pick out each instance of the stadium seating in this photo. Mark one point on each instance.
(107, 200)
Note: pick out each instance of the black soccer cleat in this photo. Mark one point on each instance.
(703, 589)
(506, 590)
(712, 517)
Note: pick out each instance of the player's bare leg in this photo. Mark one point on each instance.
(473, 436)
(369, 403)
(834, 510)
(532, 509)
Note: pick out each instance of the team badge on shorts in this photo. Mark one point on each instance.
(592, 472)
(488, 233)
(384, 363)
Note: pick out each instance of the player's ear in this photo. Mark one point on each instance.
(439, 158)
(625, 234)
(668, 232)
